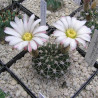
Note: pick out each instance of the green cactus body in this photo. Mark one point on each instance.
(4, 95)
(5, 18)
(54, 5)
(92, 18)
(51, 62)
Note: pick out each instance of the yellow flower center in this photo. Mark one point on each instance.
(27, 36)
(71, 33)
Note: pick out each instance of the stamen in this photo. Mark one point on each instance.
(71, 33)
(27, 36)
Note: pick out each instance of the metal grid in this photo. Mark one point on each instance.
(5, 67)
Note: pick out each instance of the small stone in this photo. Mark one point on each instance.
(18, 92)
(74, 71)
(24, 94)
(63, 14)
(36, 81)
(3, 82)
(56, 13)
(13, 82)
(75, 58)
(54, 93)
(19, 87)
(48, 12)
(89, 87)
(44, 86)
(37, 87)
(11, 87)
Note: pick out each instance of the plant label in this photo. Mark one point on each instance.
(41, 96)
(43, 9)
(92, 53)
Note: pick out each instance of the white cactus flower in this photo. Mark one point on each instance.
(26, 33)
(71, 31)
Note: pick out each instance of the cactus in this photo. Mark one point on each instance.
(51, 62)
(4, 95)
(5, 18)
(92, 18)
(54, 5)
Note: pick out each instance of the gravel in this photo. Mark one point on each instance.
(34, 7)
(76, 75)
(4, 3)
(66, 86)
(7, 53)
(9, 85)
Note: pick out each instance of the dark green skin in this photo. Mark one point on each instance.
(49, 55)
(54, 5)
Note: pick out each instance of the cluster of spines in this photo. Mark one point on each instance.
(51, 62)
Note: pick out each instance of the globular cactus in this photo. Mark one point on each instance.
(54, 5)
(5, 18)
(51, 62)
(4, 95)
(92, 18)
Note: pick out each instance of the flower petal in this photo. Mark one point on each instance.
(73, 44)
(43, 32)
(33, 45)
(64, 21)
(59, 27)
(66, 42)
(60, 23)
(84, 30)
(40, 29)
(44, 40)
(25, 21)
(63, 41)
(14, 25)
(11, 31)
(84, 37)
(73, 22)
(20, 24)
(15, 41)
(80, 24)
(31, 20)
(60, 38)
(41, 35)
(17, 20)
(9, 38)
(34, 25)
(81, 41)
(69, 21)
(58, 33)
(21, 45)
(38, 40)
(29, 47)
(77, 24)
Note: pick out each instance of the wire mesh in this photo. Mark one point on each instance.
(5, 67)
